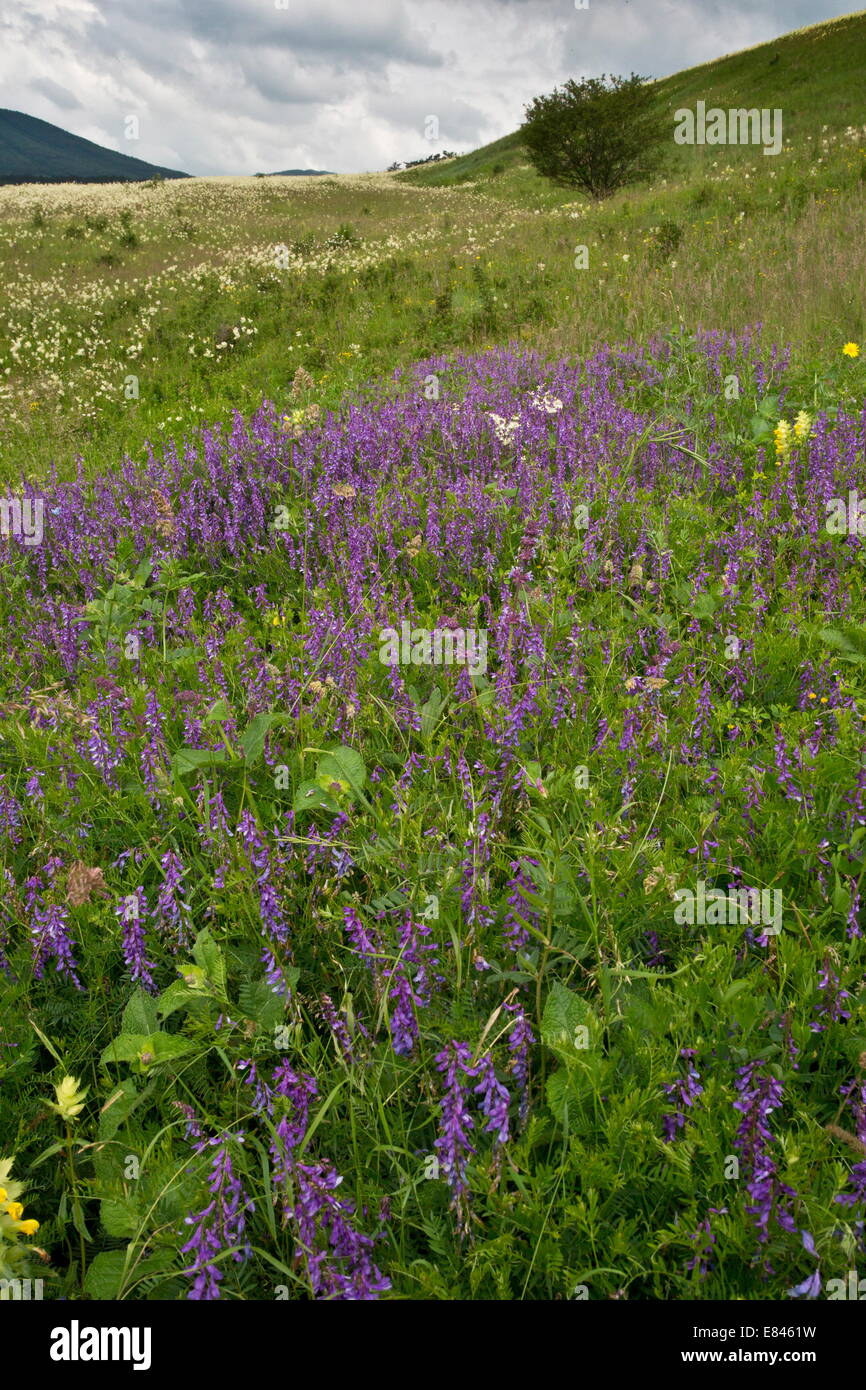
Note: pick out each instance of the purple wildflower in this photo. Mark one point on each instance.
(685, 1091)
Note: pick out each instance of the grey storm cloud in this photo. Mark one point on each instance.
(237, 86)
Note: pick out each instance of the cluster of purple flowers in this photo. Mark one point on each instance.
(454, 1146)
(336, 1255)
(757, 1097)
(685, 1091)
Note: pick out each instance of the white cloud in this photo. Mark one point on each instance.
(237, 86)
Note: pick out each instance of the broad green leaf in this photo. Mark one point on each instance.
(119, 1217)
(207, 954)
(105, 1274)
(311, 797)
(120, 1104)
(125, 1048)
(254, 735)
(140, 1014)
(218, 713)
(180, 996)
(165, 1047)
(343, 765)
(568, 1024)
(189, 759)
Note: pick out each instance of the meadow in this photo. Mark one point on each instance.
(325, 975)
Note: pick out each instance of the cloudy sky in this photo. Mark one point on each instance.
(239, 86)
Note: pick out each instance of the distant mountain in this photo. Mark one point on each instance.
(296, 173)
(34, 151)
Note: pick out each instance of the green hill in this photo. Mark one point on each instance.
(34, 151)
(814, 75)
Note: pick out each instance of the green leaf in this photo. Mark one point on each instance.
(567, 1022)
(704, 606)
(189, 759)
(125, 1048)
(179, 996)
(849, 640)
(120, 1104)
(311, 797)
(343, 765)
(254, 735)
(431, 713)
(165, 1047)
(105, 1274)
(119, 1217)
(135, 1047)
(207, 954)
(140, 1014)
(218, 713)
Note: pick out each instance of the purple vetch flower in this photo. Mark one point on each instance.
(706, 1240)
(758, 1097)
(10, 812)
(132, 911)
(172, 910)
(297, 1090)
(520, 1039)
(263, 1100)
(685, 1092)
(519, 911)
(339, 1028)
(47, 924)
(220, 1226)
(475, 879)
(829, 1008)
(494, 1101)
(854, 1092)
(367, 943)
(453, 1145)
(338, 1257)
(656, 957)
(811, 1285)
(792, 1051)
(410, 986)
(274, 924)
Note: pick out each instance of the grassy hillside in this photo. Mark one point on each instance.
(34, 151)
(813, 75)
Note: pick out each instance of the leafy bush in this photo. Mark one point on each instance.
(597, 135)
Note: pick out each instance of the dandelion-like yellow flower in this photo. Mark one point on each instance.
(802, 426)
(851, 350)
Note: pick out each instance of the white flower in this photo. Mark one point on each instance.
(550, 404)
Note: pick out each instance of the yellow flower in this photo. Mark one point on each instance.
(15, 1210)
(3, 1194)
(70, 1100)
(812, 695)
(851, 350)
(782, 436)
(28, 1228)
(802, 426)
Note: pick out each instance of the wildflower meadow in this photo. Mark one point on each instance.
(433, 751)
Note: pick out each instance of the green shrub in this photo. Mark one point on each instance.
(597, 135)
